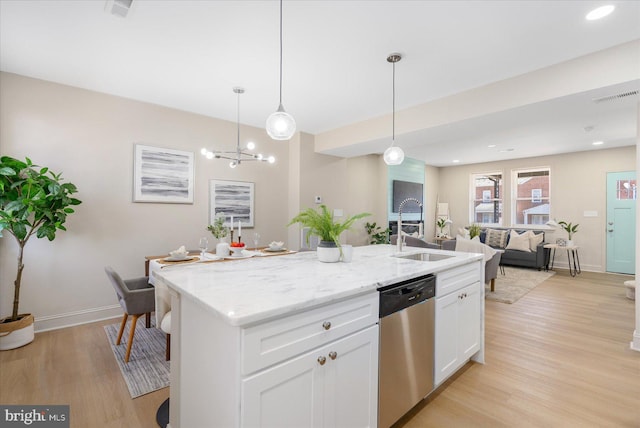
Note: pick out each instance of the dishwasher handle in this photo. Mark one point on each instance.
(406, 295)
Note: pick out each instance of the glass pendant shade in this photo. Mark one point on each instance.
(393, 155)
(281, 125)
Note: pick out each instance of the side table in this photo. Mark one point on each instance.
(572, 257)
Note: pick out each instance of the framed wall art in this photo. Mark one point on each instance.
(162, 175)
(232, 198)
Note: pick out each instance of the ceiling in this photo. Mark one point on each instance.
(189, 55)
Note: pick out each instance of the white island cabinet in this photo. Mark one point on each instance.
(459, 319)
(317, 368)
(287, 341)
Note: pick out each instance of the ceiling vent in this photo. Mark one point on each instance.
(118, 8)
(614, 97)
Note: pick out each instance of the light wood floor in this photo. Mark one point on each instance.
(559, 357)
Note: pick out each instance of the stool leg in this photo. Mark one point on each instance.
(493, 284)
(124, 322)
(147, 320)
(133, 330)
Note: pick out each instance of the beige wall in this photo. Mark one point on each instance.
(89, 137)
(578, 184)
(353, 185)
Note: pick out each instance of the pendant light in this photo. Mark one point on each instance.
(280, 124)
(238, 155)
(394, 154)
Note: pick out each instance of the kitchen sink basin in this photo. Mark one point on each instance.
(425, 257)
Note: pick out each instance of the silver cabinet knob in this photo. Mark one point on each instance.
(322, 360)
(333, 355)
(326, 325)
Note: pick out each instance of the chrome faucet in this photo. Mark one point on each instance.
(400, 240)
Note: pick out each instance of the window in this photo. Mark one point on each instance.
(532, 203)
(626, 189)
(486, 198)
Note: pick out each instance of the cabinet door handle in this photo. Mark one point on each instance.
(322, 360)
(610, 230)
(333, 355)
(326, 325)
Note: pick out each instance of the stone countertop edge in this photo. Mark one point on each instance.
(236, 293)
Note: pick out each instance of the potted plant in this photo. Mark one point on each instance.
(570, 229)
(474, 230)
(33, 201)
(220, 231)
(376, 234)
(322, 224)
(442, 223)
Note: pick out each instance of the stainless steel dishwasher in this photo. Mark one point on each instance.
(407, 321)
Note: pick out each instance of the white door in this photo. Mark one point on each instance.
(287, 395)
(621, 222)
(446, 338)
(469, 314)
(351, 381)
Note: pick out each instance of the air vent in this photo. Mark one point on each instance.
(614, 97)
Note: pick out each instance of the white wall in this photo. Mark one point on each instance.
(578, 184)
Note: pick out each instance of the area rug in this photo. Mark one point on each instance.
(515, 283)
(147, 370)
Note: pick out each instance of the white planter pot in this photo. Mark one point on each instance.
(570, 243)
(18, 333)
(328, 252)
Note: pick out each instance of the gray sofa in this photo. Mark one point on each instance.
(535, 259)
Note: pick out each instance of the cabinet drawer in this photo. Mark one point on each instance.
(454, 279)
(275, 341)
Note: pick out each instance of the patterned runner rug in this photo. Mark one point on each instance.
(515, 283)
(147, 370)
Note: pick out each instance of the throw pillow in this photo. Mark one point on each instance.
(518, 242)
(535, 240)
(496, 238)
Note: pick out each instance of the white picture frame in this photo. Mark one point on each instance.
(232, 198)
(162, 175)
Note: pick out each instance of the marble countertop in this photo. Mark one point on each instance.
(248, 291)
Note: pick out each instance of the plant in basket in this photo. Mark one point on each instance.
(33, 201)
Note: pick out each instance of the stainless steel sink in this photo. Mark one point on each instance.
(425, 257)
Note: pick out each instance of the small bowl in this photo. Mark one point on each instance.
(237, 251)
(178, 254)
(276, 245)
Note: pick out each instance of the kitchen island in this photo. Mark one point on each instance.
(291, 341)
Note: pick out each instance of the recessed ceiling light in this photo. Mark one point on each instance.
(506, 150)
(598, 143)
(491, 146)
(600, 12)
(456, 161)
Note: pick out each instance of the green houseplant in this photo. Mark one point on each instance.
(376, 234)
(570, 229)
(218, 229)
(321, 223)
(474, 230)
(33, 201)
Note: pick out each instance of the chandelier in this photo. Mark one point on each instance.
(394, 155)
(240, 154)
(280, 124)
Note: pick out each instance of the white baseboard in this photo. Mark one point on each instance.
(635, 343)
(69, 319)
